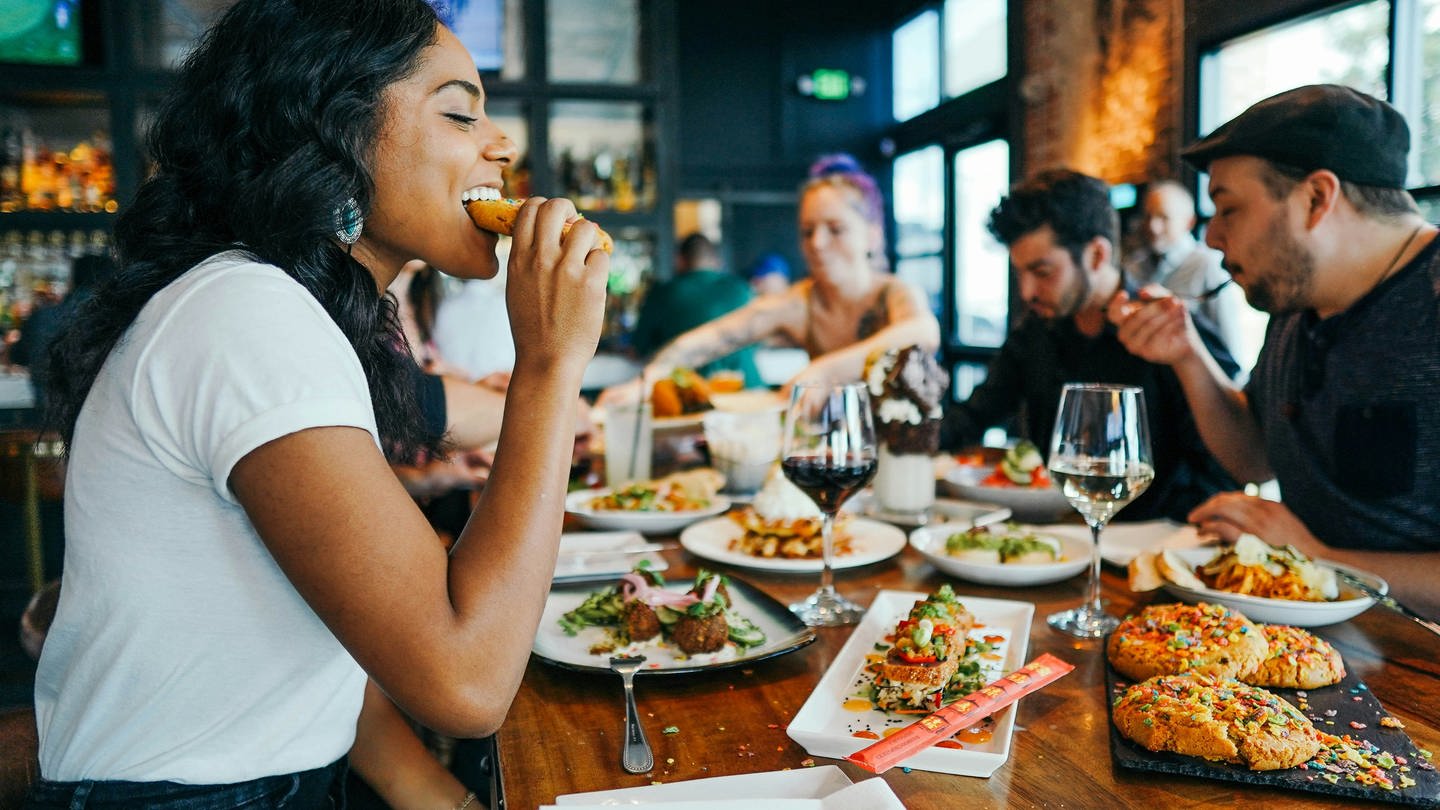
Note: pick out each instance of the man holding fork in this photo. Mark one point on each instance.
(1317, 229)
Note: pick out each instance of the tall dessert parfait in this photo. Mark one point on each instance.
(906, 386)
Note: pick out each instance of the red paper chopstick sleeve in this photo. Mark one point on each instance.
(916, 737)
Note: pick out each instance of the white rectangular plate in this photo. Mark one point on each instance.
(825, 727)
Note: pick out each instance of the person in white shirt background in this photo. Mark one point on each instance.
(1172, 257)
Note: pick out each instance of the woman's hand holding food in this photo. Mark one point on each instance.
(1231, 514)
(556, 289)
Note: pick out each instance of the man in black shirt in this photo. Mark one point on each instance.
(1061, 231)
(1312, 215)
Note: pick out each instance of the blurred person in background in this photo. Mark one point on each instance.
(1172, 257)
(699, 292)
(769, 274)
(849, 307)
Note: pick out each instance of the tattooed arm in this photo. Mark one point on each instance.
(910, 323)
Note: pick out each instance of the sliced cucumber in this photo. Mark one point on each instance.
(743, 631)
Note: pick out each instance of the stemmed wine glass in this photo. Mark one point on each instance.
(1100, 460)
(830, 454)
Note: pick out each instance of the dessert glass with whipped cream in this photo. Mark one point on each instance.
(906, 387)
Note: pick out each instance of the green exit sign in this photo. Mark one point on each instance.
(831, 85)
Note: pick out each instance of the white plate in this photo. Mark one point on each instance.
(751, 400)
(870, 542)
(824, 726)
(930, 541)
(587, 555)
(1029, 504)
(799, 783)
(784, 632)
(945, 510)
(1282, 611)
(577, 504)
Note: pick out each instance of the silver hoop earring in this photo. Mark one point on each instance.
(349, 222)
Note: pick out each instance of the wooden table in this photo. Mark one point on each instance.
(563, 733)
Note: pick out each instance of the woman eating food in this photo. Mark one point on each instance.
(849, 307)
(239, 557)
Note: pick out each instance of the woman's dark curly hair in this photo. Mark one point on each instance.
(1076, 207)
(271, 126)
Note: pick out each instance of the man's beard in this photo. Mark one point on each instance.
(1286, 288)
(1074, 298)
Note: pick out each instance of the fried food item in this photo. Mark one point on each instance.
(787, 538)
(639, 621)
(1173, 639)
(1217, 719)
(1296, 659)
(700, 634)
(683, 392)
(678, 492)
(929, 645)
(498, 216)
(1252, 567)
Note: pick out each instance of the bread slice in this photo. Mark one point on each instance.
(1144, 573)
(1175, 569)
(498, 216)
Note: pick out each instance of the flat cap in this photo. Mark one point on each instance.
(1321, 126)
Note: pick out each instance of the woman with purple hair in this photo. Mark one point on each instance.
(849, 306)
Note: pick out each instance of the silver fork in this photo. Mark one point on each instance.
(636, 756)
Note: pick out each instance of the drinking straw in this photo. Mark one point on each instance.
(639, 418)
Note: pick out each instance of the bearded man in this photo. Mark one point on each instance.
(1061, 231)
(1317, 229)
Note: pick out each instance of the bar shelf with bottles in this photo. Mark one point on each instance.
(35, 267)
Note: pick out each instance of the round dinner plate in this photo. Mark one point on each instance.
(930, 541)
(1282, 611)
(870, 542)
(1028, 503)
(577, 504)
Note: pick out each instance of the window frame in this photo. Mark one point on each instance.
(983, 114)
(1208, 29)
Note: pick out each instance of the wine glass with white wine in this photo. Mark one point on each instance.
(1100, 460)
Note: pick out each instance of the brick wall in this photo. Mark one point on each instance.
(1102, 88)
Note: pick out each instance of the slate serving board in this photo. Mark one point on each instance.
(1351, 701)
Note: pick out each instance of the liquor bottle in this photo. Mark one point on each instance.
(11, 160)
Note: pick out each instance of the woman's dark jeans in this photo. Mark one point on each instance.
(322, 789)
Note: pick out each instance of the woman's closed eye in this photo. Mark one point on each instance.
(462, 120)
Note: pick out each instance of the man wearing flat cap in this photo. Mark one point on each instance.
(1343, 407)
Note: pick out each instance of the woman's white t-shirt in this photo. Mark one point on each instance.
(180, 651)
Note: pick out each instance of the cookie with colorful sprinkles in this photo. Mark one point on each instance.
(1217, 719)
(1177, 638)
(1297, 659)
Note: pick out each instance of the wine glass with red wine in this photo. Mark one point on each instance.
(829, 454)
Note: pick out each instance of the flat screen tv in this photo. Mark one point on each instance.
(480, 27)
(40, 32)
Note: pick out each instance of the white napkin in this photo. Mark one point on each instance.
(582, 554)
(1122, 542)
(823, 788)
